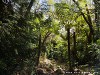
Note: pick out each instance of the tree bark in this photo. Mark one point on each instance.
(69, 58)
(39, 50)
(45, 38)
(74, 52)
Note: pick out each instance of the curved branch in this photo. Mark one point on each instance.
(88, 21)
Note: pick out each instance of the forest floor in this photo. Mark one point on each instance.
(52, 67)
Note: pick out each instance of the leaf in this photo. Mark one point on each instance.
(37, 21)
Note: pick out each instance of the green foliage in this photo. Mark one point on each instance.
(57, 49)
(20, 30)
(15, 38)
(17, 41)
(69, 13)
(62, 11)
(87, 54)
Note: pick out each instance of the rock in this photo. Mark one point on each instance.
(52, 67)
(77, 70)
(47, 61)
(90, 74)
(59, 71)
(40, 71)
(50, 71)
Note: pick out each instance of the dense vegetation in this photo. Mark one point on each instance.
(67, 32)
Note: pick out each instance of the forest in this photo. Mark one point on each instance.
(49, 37)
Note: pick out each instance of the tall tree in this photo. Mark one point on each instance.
(88, 21)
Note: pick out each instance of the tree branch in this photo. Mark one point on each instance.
(46, 36)
(86, 20)
(29, 7)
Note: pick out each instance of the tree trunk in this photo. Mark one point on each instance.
(74, 52)
(29, 8)
(39, 50)
(69, 58)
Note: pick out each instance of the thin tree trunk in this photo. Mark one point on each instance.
(39, 50)
(74, 38)
(74, 52)
(69, 58)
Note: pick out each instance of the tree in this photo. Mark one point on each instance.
(88, 21)
(80, 21)
(16, 37)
